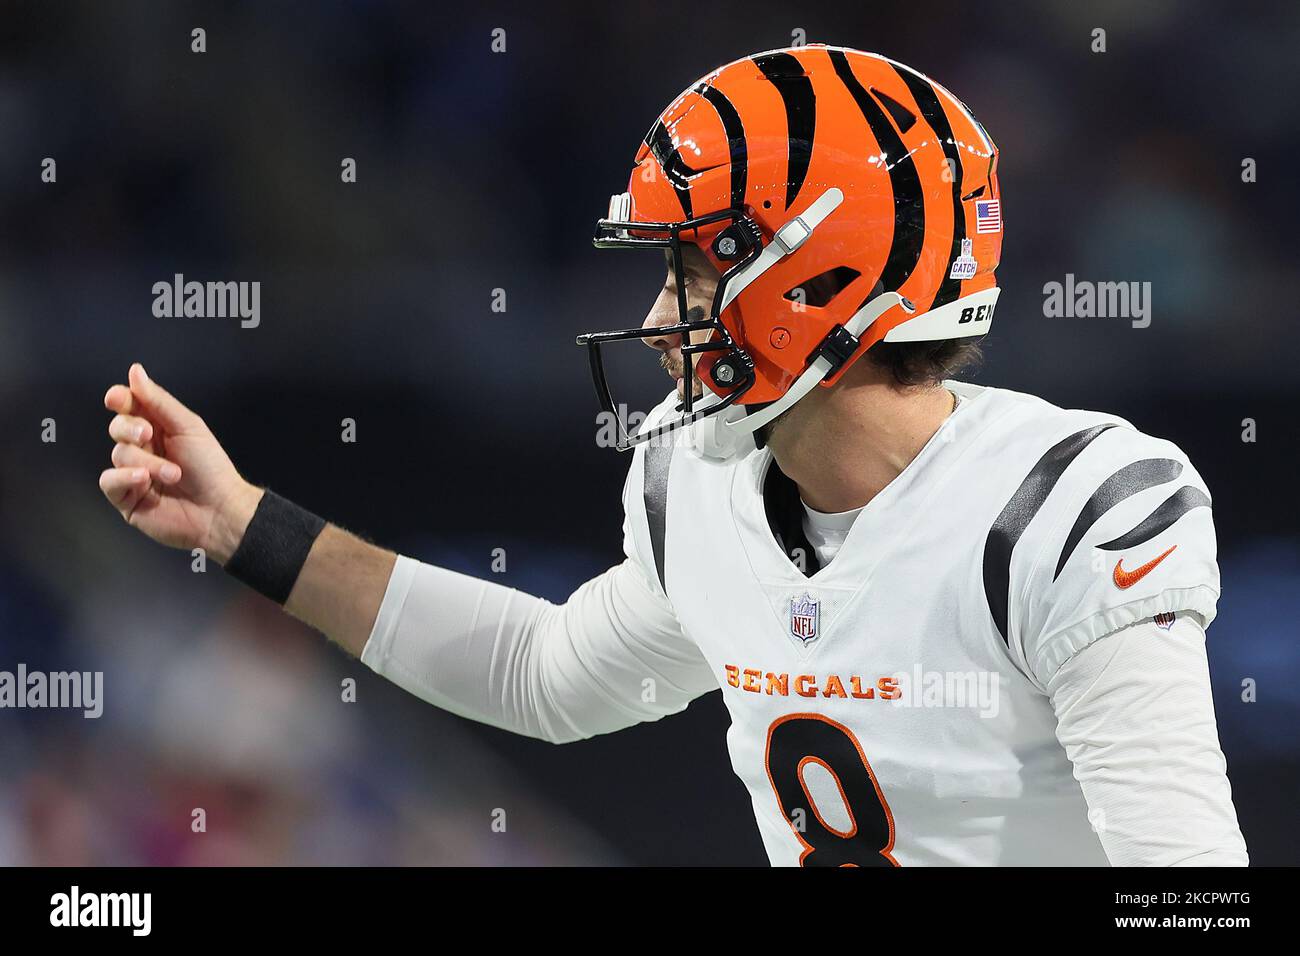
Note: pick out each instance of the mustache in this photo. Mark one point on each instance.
(675, 364)
(676, 367)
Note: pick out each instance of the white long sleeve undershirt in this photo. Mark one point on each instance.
(1136, 718)
(609, 657)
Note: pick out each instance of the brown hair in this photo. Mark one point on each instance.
(911, 363)
(926, 363)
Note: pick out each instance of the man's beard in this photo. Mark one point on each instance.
(675, 365)
(763, 434)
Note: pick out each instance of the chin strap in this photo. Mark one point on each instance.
(821, 366)
(786, 240)
(712, 435)
(730, 433)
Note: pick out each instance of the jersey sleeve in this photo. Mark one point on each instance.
(1125, 534)
(610, 656)
(607, 658)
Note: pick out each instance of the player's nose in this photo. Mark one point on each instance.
(662, 314)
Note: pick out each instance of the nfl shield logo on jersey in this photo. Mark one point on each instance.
(803, 618)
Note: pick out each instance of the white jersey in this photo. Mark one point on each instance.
(891, 708)
(938, 693)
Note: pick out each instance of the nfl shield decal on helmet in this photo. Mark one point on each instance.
(804, 618)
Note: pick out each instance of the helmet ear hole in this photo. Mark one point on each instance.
(821, 289)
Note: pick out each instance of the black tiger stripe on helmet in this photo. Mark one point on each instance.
(786, 73)
(670, 160)
(932, 112)
(909, 203)
(737, 146)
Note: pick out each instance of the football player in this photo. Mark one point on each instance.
(952, 624)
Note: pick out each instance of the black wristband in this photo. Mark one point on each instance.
(275, 546)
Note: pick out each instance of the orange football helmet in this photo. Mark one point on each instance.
(809, 169)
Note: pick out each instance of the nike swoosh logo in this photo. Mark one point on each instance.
(1126, 579)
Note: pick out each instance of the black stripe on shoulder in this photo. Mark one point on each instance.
(1019, 511)
(1170, 510)
(658, 461)
(786, 73)
(1125, 483)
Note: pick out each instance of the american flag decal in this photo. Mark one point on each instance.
(988, 215)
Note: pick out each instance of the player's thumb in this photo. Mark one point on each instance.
(159, 403)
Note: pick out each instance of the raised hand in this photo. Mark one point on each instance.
(171, 479)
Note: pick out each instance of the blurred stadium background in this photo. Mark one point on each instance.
(478, 171)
